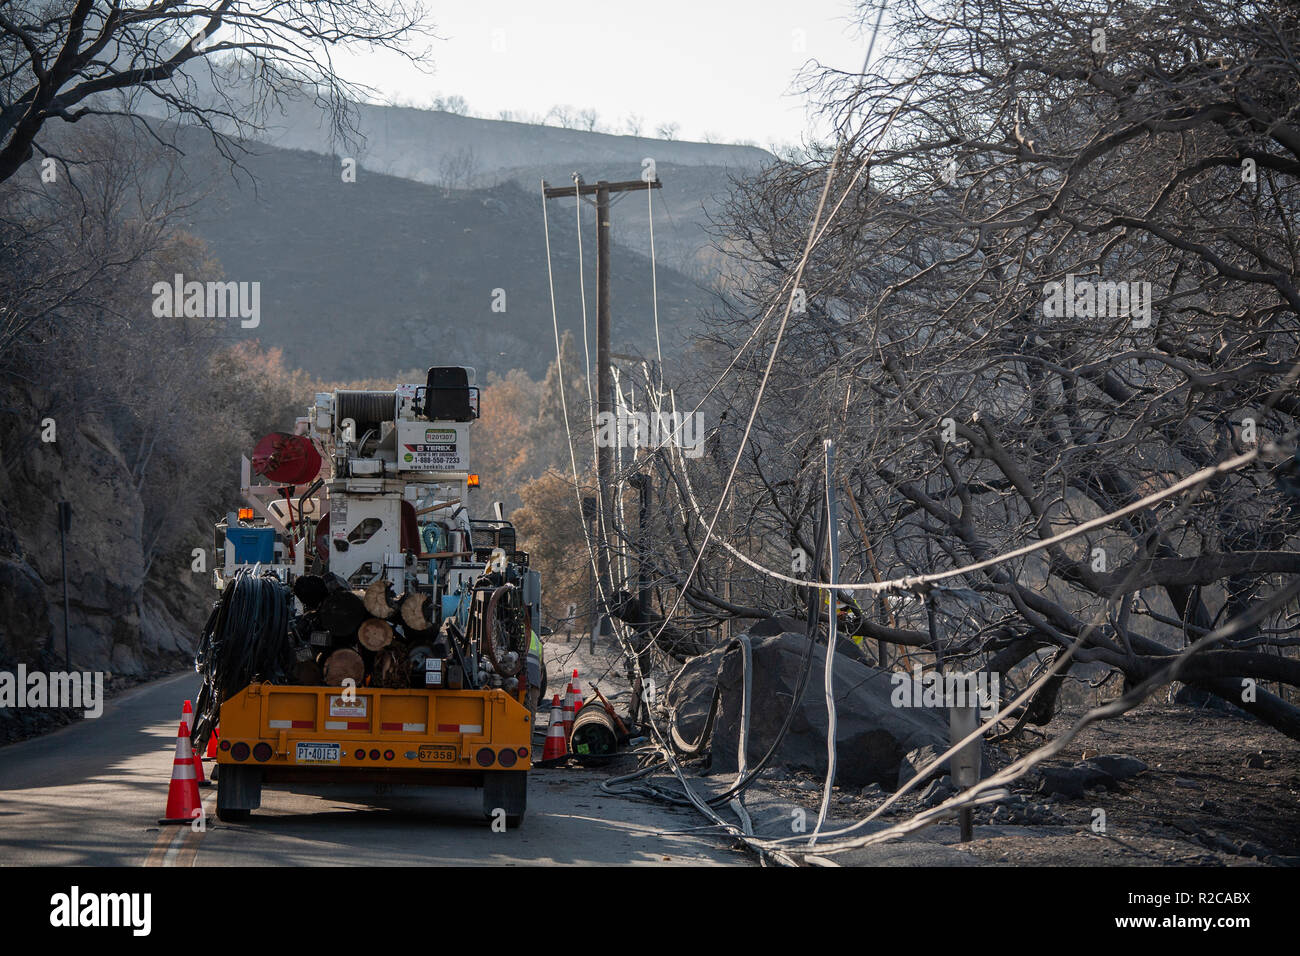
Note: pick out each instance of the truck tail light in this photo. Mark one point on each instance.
(486, 756)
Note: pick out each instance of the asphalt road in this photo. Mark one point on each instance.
(91, 794)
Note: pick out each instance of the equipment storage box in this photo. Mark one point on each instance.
(252, 545)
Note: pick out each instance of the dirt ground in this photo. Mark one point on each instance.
(1219, 789)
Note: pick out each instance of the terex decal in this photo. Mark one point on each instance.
(432, 447)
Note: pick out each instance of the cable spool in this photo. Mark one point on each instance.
(594, 738)
(367, 410)
(286, 459)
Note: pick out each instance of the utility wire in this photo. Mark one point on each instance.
(672, 762)
(559, 368)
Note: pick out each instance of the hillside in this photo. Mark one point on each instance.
(447, 149)
(453, 151)
(414, 142)
(361, 278)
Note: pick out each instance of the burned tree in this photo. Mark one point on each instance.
(1058, 275)
(221, 65)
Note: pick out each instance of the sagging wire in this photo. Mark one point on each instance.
(744, 779)
(704, 806)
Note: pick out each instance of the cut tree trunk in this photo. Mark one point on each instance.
(342, 613)
(310, 590)
(375, 634)
(414, 611)
(378, 599)
(343, 664)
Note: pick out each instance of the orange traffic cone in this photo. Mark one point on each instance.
(556, 741)
(575, 693)
(567, 715)
(212, 743)
(183, 794)
(187, 718)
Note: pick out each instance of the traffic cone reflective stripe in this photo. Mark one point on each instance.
(556, 741)
(568, 693)
(575, 692)
(187, 718)
(183, 792)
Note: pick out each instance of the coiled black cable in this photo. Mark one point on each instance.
(246, 638)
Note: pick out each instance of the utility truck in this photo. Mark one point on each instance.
(369, 631)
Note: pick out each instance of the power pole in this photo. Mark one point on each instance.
(602, 190)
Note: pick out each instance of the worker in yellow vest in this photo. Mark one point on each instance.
(536, 671)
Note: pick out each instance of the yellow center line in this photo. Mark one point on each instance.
(178, 844)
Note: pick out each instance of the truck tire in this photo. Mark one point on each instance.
(239, 793)
(506, 790)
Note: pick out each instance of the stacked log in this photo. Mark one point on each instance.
(378, 599)
(374, 634)
(341, 613)
(311, 590)
(416, 613)
(344, 664)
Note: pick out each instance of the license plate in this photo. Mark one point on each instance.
(317, 753)
(437, 754)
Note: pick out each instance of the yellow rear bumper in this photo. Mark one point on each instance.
(375, 729)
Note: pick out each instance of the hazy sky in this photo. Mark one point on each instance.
(716, 67)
